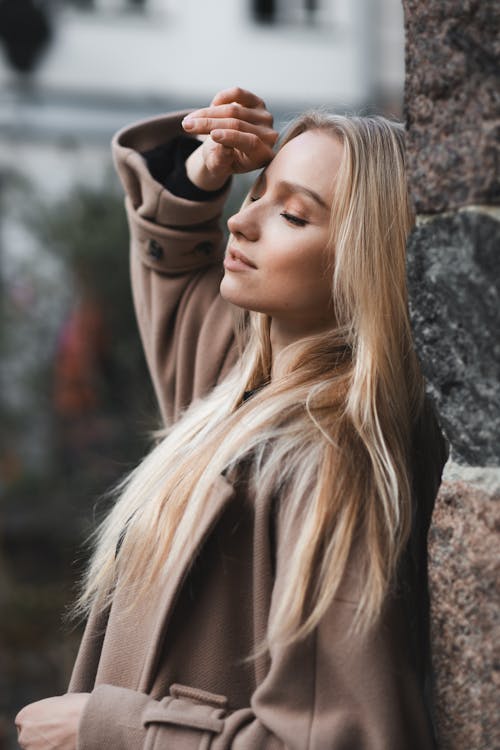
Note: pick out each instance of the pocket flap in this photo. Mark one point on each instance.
(184, 713)
(197, 695)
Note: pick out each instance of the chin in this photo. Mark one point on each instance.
(234, 294)
(231, 292)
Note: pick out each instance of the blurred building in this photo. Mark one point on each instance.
(110, 60)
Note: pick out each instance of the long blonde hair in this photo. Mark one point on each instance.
(330, 437)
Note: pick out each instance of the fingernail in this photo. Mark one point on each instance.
(217, 134)
(188, 123)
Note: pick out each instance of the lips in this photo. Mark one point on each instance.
(236, 260)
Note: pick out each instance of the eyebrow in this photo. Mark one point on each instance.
(294, 187)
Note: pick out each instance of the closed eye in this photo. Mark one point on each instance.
(293, 219)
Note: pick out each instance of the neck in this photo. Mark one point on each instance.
(283, 335)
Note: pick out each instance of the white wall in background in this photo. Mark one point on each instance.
(186, 49)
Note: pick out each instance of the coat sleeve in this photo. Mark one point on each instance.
(175, 258)
(330, 691)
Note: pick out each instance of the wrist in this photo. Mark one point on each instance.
(200, 176)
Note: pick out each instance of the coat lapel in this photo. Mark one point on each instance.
(221, 493)
(134, 638)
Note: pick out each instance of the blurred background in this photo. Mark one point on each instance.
(76, 406)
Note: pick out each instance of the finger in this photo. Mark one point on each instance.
(208, 124)
(236, 111)
(237, 94)
(248, 143)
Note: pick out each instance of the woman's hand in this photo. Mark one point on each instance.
(51, 723)
(240, 138)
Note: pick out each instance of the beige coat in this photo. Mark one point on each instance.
(171, 675)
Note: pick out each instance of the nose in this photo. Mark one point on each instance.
(244, 223)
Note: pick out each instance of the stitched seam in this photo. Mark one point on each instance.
(314, 686)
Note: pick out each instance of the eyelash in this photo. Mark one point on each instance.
(295, 220)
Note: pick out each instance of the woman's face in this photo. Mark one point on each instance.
(275, 260)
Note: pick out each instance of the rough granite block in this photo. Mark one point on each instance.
(464, 578)
(454, 284)
(452, 102)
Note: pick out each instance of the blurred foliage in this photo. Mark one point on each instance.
(80, 279)
(88, 232)
(65, 294)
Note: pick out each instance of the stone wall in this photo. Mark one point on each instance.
(452, 107)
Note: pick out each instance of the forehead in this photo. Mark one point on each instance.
(312, 159)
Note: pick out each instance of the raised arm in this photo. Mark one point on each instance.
(175, 260)
(176, 242)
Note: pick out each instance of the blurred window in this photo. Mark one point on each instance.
(107, 6)
(283, 12)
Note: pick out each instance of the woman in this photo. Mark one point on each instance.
(260, 582)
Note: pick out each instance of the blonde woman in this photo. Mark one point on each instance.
(260, 582)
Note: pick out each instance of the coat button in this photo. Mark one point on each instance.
(204, 247)
(155, 250)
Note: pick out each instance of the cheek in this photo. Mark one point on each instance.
(302, 269)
